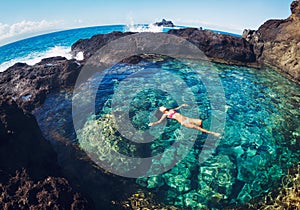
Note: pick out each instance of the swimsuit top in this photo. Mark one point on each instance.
(170, 115)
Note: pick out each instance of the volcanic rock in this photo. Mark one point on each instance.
(219, 47)
(23, 150)
(277, 43)
(21, 192)
(28, 85)
(90, 46)
(22, 143)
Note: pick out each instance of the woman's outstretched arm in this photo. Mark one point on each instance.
(182, 105)
(159, 121)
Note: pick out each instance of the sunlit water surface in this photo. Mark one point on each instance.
(259, 143)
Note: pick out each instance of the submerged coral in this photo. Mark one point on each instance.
(146, 201)
(99, 138)
(257, 148)
(287, 196)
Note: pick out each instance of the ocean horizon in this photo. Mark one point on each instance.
(33, 49)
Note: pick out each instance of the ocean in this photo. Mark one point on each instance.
(32, 50)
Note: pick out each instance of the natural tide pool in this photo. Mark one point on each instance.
(260, 142)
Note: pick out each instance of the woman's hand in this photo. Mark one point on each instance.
(150, 124)
(183, 105)
(216, 134)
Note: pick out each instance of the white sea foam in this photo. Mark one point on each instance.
(36, 57)
(79, 56)
(144, 28)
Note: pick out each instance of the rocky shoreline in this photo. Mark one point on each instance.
(28, 163)
(277, 43)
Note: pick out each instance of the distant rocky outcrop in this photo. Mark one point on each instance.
(277, 43)
(164, 23)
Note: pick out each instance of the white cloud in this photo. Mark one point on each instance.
(78, 21)
(23, 28)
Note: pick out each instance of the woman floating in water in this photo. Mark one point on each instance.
(183, 120)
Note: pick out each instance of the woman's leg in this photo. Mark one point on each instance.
(196, 122)
(190, 125)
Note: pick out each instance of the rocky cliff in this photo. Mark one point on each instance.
(30, 177)
(277, 43)
(90, 46)
(29, 85)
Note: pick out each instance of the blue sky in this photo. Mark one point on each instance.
(21, 18)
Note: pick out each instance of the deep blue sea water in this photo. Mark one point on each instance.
(32, 50)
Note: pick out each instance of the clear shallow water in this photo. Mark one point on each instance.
(260, 142)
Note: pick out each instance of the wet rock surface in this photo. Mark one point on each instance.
(22, 143)
(146, 201)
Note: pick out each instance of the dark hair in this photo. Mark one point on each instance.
(158, 114)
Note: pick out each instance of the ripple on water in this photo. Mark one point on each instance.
(260, 142)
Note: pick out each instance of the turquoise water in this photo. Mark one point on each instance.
(260, 140)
